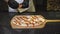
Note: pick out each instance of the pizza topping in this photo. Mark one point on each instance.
(28, 21)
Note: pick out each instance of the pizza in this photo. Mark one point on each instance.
(28, 20)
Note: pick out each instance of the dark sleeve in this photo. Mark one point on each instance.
(25, 4)
(13, 4)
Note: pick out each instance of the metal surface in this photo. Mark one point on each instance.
(50, 28)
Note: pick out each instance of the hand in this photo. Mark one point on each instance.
(20, 6)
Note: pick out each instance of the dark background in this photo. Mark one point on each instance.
(40, 5)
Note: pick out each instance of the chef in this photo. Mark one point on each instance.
(15, 4)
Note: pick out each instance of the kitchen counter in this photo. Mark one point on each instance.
(50, 28)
